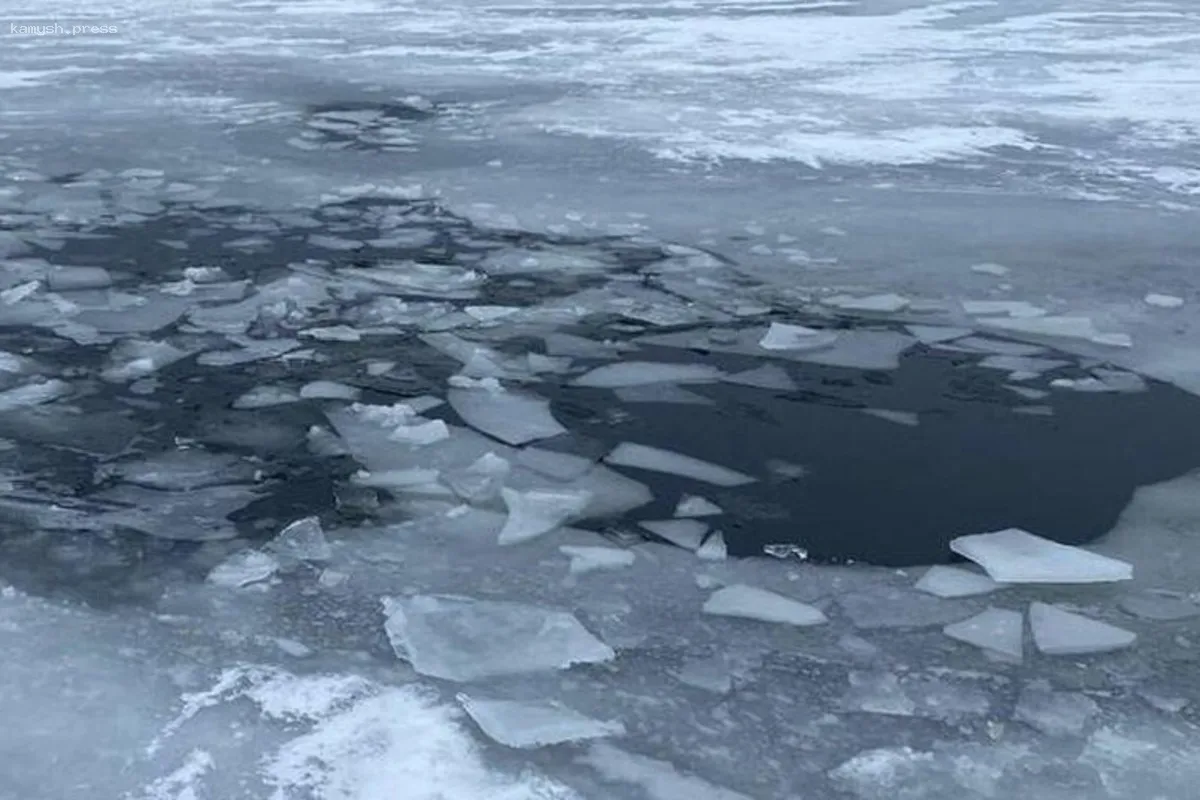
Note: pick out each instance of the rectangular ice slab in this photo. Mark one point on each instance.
(463, 639)
(529, 725)
(628, 454)
(1016, 556)
(749, 602)
(1060, 633)
(511, 417)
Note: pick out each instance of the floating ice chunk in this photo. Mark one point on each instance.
(481, 480)
(628, 454)
(1016, 556)
(33, 394)
(552, 464)
(768, 376)
(66, 279)
(586, 559)
(640, 373)
(749, 602)
(490, 313)
(512, 417)
(1057, 632)
(183, 470)
(265, 397)
(998, 270)
(714, 548)
(133, 359)
(996, 629)
(332, 333)
(1022, 364)
(565, 344)
(463, 639)
(243, 569)
(1017, 309)
(302, 540)
(1062, 328)
(420, 432)
(881, 303)
(539, 511)
(782, 336)
(910, 418)
(1163, 300)
(529, 725)
(685, 533)
(538, 363)
(659, 780)
(661, 393)
(1027, 393)
(691, 505)
(329, 390)
(333, 242)
(1054, 713)
(249, 350)
(1000, 347)
(862, 349)
(949, 582)
(933, 334)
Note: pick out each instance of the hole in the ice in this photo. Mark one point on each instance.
(876, 490)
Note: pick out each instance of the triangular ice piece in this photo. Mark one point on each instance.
(714, 548)
(685, 533)
(691, 505)
(511, 417)
(954, 582)
(749, 602)
(641, 373)
(781, 336)
(538, 511)
(1061, 633)
(1017, 556)
(996, 629)
(768, 376)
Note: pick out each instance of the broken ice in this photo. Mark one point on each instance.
(1016, 556)
(529, 725)
(996, 629)
(539, 511)
(628, 454)
(749, 602)
(1058, 632)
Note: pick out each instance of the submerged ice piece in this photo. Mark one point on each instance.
(243, 569)
(949, 582)
(512, 417)
(529, 725)
(1017, 556)
(628, 454)
(463, 639)
(1060, 633)
(749, 602)
(641, 373)
(302, 540)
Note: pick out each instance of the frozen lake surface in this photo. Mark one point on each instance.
(569, 400)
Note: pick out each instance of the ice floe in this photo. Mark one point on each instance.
(629, 454)
(1059, 632)
(529, 725)
(749, 602)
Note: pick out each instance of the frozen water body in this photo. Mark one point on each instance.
(1058, 632)
(995, 629)
(586, 558)
(463, 639)
(1017, 556)
(691, 505)
(529, 725)
(640, 373)
(749, 602)
(629, 454)
(539, 511)
(658, 780)
(944, 581)
(686, 533)
(512, 417)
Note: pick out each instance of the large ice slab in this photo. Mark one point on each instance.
(1016, 556)
(997, 629)
(640, 373)
(749, 602)
(629, 454)
(512, 417)
(1058, 632)
(464, 639)
(529, 725)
